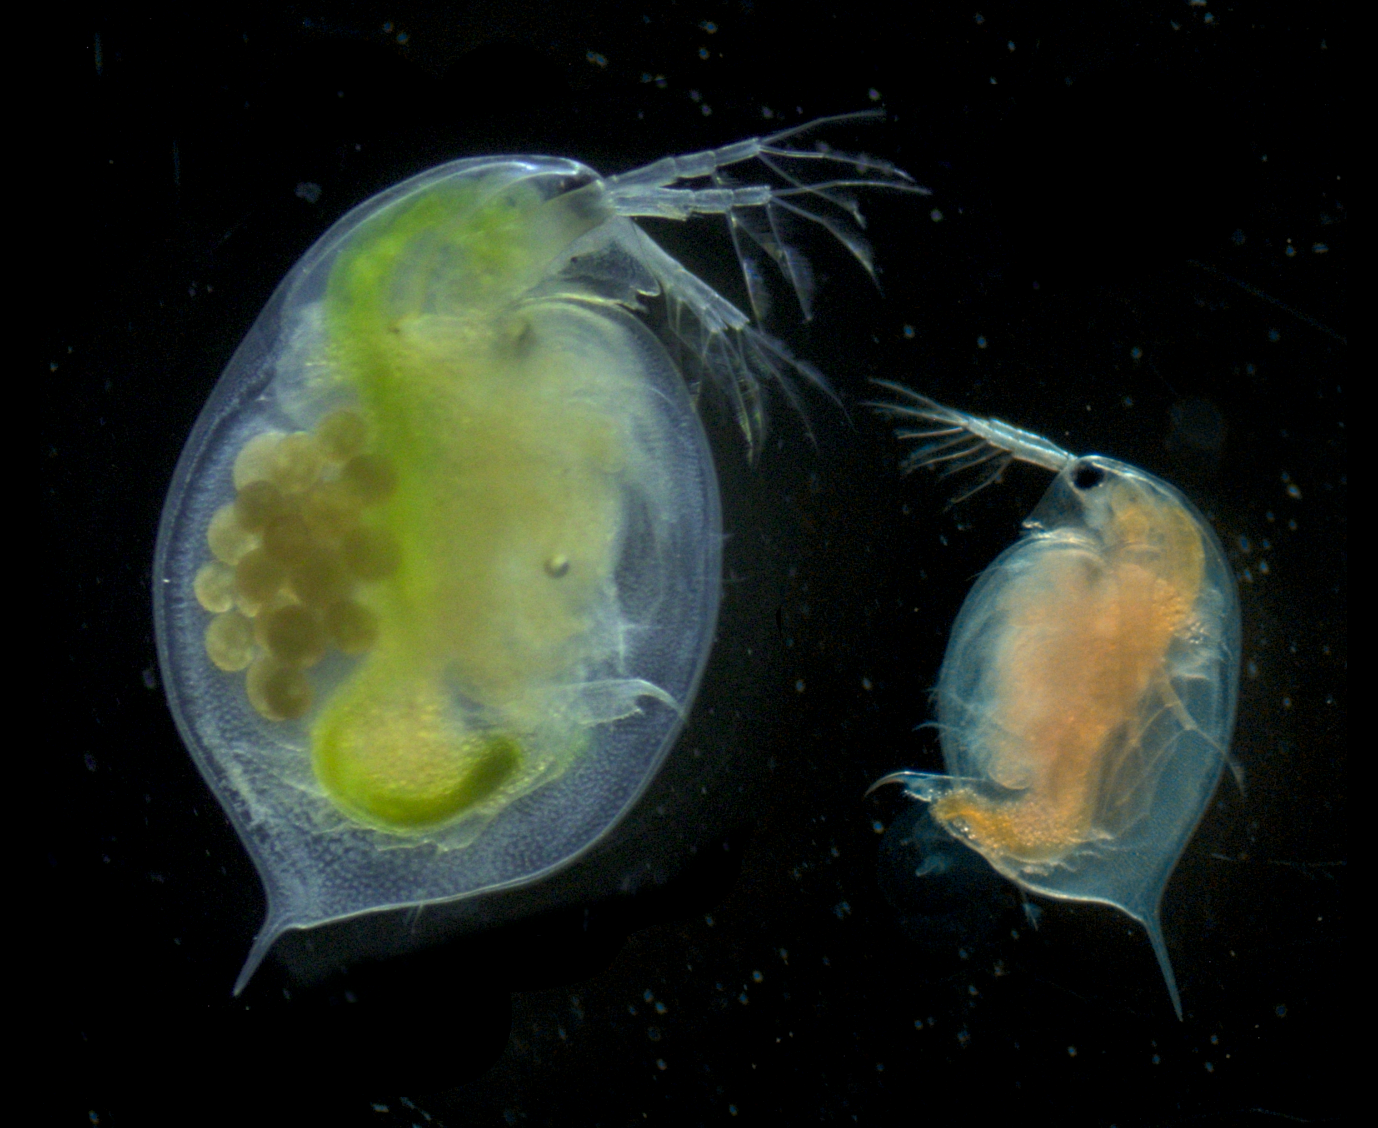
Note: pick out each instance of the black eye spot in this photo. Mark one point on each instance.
(573, 183)
(1087, 476)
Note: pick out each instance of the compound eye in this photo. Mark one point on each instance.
(1087, 476)
(574, 182)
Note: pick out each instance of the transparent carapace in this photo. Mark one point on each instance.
(438, 572)
(1087, 695)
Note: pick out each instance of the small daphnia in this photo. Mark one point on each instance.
(438, 570)
(1087, 695)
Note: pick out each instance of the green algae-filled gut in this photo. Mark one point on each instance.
(1087, 695)
(438, 571)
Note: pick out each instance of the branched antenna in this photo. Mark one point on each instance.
(761, 213)
(792, 187)
(955, 441)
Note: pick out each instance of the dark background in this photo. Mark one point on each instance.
(1141, 252)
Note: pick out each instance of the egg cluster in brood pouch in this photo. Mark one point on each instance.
(293, 558)
(438, 572)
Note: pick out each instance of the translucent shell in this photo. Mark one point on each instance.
(438, 572)
(1088, 691)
